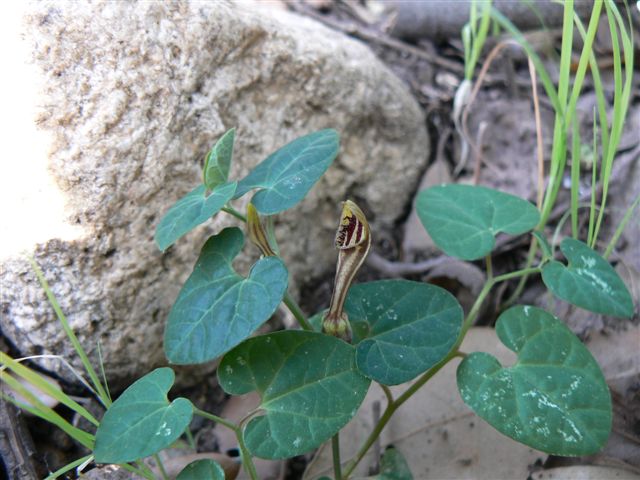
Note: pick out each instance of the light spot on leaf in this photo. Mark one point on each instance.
(588, 262)
(164, 430)
(596, 281)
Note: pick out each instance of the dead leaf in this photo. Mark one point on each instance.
(415, 236)
(469, 275)
(585, 472)
(509, 149)
(617, 355)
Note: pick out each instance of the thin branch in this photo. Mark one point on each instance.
(540, 153)
(381, 38)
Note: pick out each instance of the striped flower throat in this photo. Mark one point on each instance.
(353, 241)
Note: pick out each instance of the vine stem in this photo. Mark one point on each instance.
(295, 309)
(475, 309)
(335, 450)
(393, 405)
(533, 249)
(390, 410)
(163, 472)
(142, 468)
(190, 439)
(247, 462)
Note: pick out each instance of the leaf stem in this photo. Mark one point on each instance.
(160, 465)
(148, 474)
(247, 461)
(215, 418)
(475, 309)
(142, 467)
(335, 450)
(387, 392)
(533, 249)
(295, 309)
(233, 212)
(489, 264)
(190, 439)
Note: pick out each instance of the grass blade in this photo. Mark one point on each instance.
(68, 467)
(621, 227)
(36, 407)
(102, 394)
(41, 384)
(575, 178)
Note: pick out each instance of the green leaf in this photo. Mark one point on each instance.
(588, 281)
(141, 421)
(217, 308)
(463, 220)
(309, 387)
(218, 162)
(206, 469)
(410, 327)
(393, 466)
(285, 177)
(554, 398)
(190, 211)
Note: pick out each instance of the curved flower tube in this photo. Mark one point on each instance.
(353, 240)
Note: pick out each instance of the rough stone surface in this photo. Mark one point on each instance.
(134, 94)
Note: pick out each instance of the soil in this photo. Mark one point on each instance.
(502, 128)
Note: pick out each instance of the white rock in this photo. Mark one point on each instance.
(130, 98)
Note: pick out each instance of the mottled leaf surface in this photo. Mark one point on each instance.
(217, 308)
(393, 466)
(463, 220)
(218, 161)
(286, 176)
(401, 328)
(588, 281)
(141, 421)
(206, 469)
(194, 208)
(554, 398)
(309, 386)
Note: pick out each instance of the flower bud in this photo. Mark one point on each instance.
(353, 241)
(257, 235)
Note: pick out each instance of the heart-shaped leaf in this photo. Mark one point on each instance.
(393, 466)
(287, 175)
(588, 281)
(217, 308)
(141, 421)
(463, 220)
(553, 399)
(194, 208)
(309, 387)
(411, 327)
(205, 469)
(218, 162)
